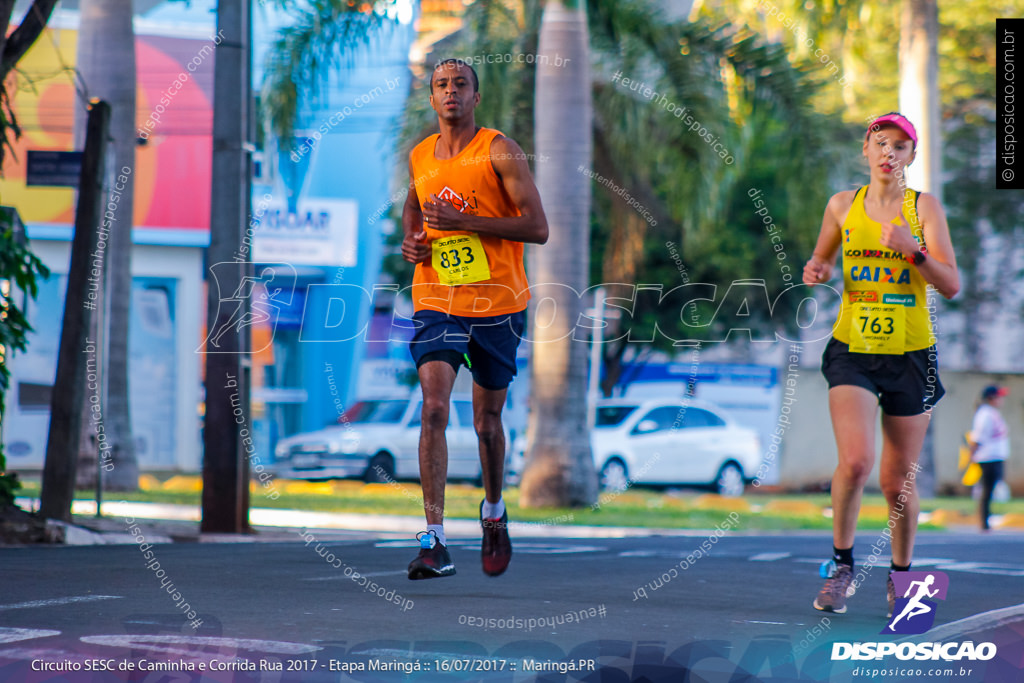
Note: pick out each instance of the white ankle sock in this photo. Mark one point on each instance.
(493, 510)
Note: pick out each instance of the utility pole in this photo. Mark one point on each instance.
(58, 488)
(225, 498)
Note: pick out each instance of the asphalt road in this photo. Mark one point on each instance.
(612, 607)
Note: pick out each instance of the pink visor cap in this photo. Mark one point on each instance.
(894, 119)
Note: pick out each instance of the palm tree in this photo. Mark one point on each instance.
(323, 35)
(919, 89)
(106, 60)
(719, 74)
(559, 467)
(642, 147)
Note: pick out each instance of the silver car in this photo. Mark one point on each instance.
(378, 441)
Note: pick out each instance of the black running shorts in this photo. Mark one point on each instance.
(905, 385)
(486, 344)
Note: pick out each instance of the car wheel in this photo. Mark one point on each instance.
(381, 469)
(729, 481)
(614, 475)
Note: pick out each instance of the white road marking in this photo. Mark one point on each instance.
(661, 554)
(201, 644)
(54, 602)
(931, 561)
(768, 557)
(335, 577)
(517, 547)
(774, 623)
(946, 564)
(13, 635)
(980, 568)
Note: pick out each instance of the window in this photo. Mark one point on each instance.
(659, 419)
(612, 416)
(375, 412)
(698, 417)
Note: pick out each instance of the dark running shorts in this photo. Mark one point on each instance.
(905, 385)
(489, 342)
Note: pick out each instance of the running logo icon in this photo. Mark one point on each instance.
(254, 302)
(914, 612)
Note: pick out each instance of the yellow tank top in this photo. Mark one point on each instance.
(884, 307)
(468, 274)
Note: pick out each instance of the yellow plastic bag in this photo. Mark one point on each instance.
(972, 475)
(965, 458)
(971, 470)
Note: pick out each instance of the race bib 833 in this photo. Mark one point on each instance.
(460, 260)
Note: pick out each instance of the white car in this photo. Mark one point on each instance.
(378, 441)
(665, 441)
(668, 442)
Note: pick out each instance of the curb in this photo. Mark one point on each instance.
(280, 525)
(973, 624)
(73, 534)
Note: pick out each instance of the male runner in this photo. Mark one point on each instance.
(472, 204)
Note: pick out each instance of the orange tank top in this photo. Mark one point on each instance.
(469, 183)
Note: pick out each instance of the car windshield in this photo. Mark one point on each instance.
(374, 412)
(612, 416)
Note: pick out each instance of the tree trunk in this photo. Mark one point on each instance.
(559, 469)
(106, 58)
(919, 90)
(620, 271)
(919, 101)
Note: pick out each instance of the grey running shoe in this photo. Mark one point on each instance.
(838, 586)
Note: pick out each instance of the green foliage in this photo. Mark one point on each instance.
(753, 102)
(19, 271)
(862, 36)
(740, 88)
(491, 27)
(324, 35)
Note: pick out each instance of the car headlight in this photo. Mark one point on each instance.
(348, 447)
(281, 451)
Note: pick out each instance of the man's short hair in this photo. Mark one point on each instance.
(457, 62)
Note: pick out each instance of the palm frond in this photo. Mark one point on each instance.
(325, 34)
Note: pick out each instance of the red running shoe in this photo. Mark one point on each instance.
(496, 546)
